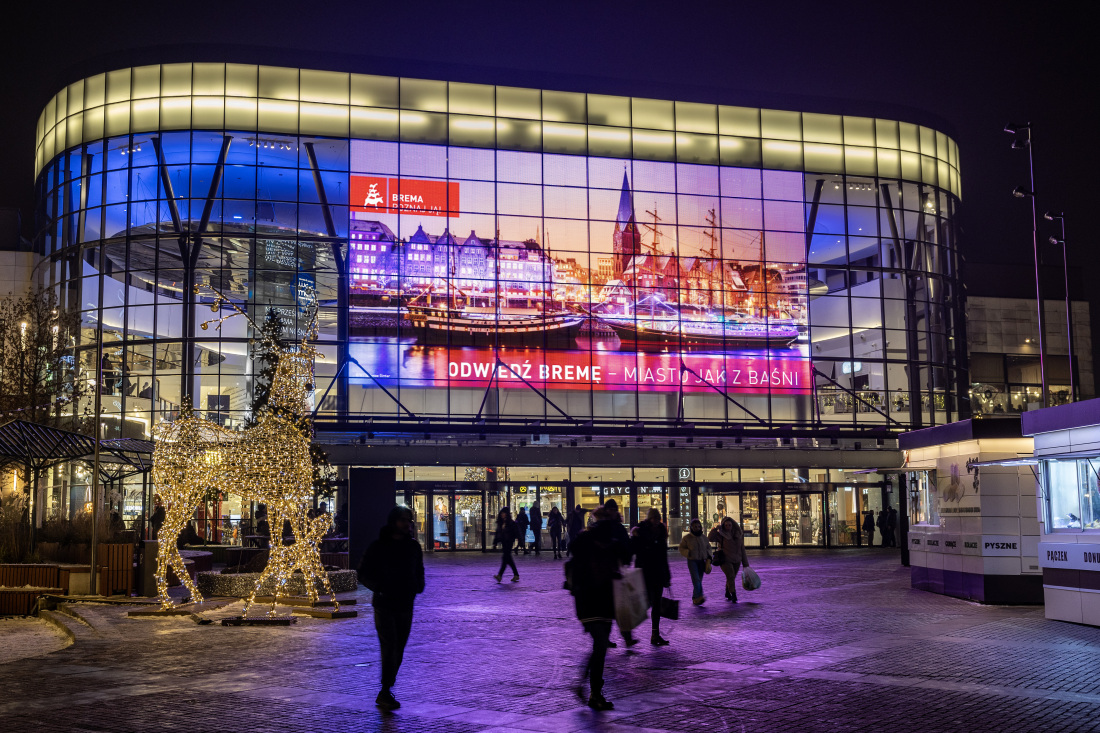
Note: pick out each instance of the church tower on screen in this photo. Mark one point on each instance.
(626, 240)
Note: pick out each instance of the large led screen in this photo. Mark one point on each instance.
(472, 268)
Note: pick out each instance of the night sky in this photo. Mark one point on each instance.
(967, 70)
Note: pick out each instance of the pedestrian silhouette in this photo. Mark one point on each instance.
(651, 555)
(574, 525)
(696, 549)
(598, 553)
(393, 570)
(555, 523)
(536, 526)
(522, 522)
(731, 544)
(507, 531)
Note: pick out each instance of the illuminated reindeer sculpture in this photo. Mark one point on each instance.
(268, 463)
(185, 452)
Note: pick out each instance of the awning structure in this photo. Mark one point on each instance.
(39, 447)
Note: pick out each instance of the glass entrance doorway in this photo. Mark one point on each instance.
(803, 519)
(449, 516)
(462, 515)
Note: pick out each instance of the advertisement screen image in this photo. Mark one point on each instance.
(565, 272)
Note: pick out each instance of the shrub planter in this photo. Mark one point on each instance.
(241, 585)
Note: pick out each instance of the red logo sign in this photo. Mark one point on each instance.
(404, 196)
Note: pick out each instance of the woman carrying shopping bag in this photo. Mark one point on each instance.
(731, 553)
(696, 549)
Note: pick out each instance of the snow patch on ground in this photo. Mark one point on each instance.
(21, 638)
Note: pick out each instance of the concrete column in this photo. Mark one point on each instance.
(371, 496)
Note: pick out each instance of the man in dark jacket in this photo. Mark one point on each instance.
(536, 526)
(522, 522)
(393, 569)
(651, 555)
(869, 528)
(892, 527)
(574, 525)
(880, 522)
(598, 553)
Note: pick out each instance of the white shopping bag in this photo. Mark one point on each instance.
(749, 579)
(630, 599)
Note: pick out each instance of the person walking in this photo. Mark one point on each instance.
(393, 570)
(892, 527)
(731, 542)
(555, 523)
(522, 522)
(869, 527)
(598, 553)
(651, 555)
(507, 531)
(695, 548)
(156, 519)
(536, 526)
(880, 521)
(574, 525)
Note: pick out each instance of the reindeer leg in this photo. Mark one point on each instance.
(168, 555)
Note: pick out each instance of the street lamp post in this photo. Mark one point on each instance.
(1069, 312)
(1022, 134)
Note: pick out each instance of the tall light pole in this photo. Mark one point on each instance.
(1022, 140)
(1069, 312)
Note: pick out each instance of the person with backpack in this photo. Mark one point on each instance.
(651, 555)
(598, 553)
(555, 523)
(507, 531)
(696, 549)
(869, 528)
(393, 570)
(522, 522)
(731, 553)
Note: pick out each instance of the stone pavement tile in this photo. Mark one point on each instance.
(487, 717)
(274, 692)
(431, 709)
(619, 727)
(825, 674)
(570, 720)
(720, 666)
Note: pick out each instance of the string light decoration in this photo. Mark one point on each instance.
(185, 452)
(268, 463)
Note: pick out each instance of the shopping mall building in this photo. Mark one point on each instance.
(518, 292)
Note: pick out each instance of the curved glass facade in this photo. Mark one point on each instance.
(502, 254)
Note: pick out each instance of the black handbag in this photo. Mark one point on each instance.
(719, 557)
(670, 607)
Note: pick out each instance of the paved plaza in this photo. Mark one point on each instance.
(833, 641)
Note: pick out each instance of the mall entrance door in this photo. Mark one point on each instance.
(450, 516)
(547, 496)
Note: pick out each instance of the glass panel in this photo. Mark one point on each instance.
(776, 535)
(750, 518)
(844, 519)
(1064, 497)
(804, 520)
(421, 517)
(588, 497)
(442, 522)
(469, 521)
(1089, 480)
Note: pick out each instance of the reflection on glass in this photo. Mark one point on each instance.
(750, 518)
